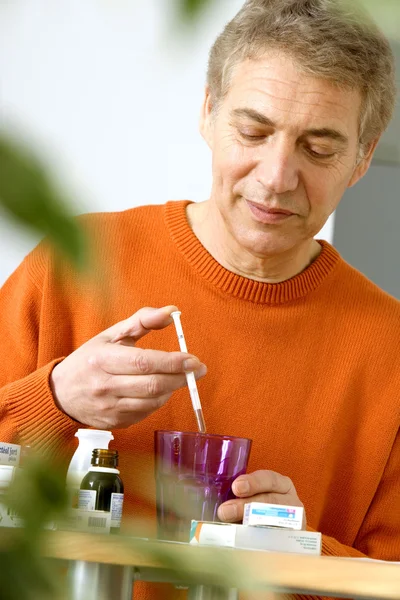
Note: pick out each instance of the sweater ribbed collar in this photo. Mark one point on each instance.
(236, 285)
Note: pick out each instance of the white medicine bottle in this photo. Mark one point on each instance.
(89, 440)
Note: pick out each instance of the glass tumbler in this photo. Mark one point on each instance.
(194, 474)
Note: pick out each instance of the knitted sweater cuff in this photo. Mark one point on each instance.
(331, 547)
(31, 406)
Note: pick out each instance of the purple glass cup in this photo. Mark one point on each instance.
(194, 474)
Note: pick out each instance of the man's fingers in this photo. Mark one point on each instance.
(117, 359)
(128, 411)
(143, 406)
(136, 326)
(260, 486)
(261, 482)
(148, 386)
(233, 510)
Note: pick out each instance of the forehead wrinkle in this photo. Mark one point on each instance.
(309, 80)
(303, 114)
(301, 75)
(286, 82)
(327, 102)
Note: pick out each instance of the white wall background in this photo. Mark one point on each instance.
(110, 92)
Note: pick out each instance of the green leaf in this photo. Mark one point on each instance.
(386, 13)
(387, 16)
(29, 196)
(37, 495)
(25, 575)
(192, 8)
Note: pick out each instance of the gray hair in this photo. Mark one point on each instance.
(326, 39)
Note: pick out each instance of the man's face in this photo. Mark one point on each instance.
(285, 149)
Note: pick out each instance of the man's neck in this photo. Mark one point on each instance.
(211, 232)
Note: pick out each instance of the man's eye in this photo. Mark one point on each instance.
(251, 136)
(323, 155)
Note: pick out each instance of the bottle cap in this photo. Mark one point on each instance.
(105, 458)
(94, 433)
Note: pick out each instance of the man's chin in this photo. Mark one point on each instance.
(268, 245)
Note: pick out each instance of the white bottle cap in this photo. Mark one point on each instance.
(94, 433)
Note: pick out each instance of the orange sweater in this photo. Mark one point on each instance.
(307, 368)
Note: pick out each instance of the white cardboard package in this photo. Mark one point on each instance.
(258, 514)
(255, 538)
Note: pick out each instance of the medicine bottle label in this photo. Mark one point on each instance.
(87, 499)
(117, 501)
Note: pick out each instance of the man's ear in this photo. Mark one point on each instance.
(364, 163)
(206, 124)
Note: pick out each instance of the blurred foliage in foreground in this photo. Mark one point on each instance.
(39, 497)
(29, 196)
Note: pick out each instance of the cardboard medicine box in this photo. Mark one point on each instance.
(232, 535)
(273, 515)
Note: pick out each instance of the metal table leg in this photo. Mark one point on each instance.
(211, 592)
(98, 581)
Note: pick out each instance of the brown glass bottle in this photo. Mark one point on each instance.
(102, 487)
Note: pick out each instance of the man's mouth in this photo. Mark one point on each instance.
(268, 214)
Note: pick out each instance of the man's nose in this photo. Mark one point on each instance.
(277, 168)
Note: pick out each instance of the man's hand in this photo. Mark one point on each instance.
(107, 383)
(260, 486)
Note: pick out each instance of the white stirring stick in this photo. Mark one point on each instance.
(190, 378)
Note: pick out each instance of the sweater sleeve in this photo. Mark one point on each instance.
(28, 414)
(379, 535)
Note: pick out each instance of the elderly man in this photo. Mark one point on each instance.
(302, 351)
